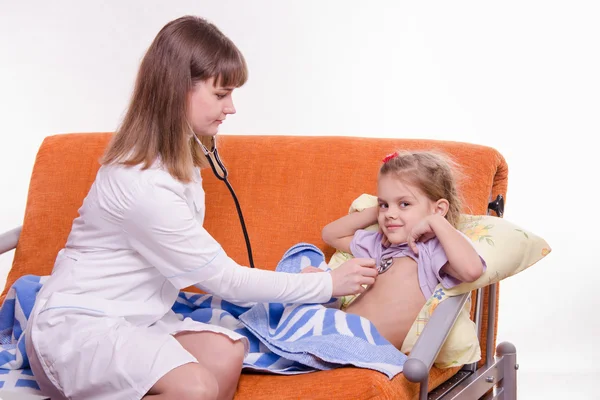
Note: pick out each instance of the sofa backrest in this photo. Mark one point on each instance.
(289, 187)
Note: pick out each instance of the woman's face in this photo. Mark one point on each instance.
(208, 106)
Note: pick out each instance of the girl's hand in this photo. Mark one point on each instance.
(349, 277)
(421, 232)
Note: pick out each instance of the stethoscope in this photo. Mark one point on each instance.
(385, 264)
(213, 157)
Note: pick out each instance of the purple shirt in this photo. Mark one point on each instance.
(431, 258)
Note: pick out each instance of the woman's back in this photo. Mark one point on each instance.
(99, 263)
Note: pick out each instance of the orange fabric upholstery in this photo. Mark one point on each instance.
(289, 188)
(337, 384)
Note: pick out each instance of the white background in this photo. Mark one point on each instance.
(520, 76)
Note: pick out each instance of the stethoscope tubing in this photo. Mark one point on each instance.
(214, 153)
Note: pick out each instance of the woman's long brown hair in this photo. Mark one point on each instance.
(185, 51)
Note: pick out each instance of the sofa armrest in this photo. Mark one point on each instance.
(9, 240)
(429, 343)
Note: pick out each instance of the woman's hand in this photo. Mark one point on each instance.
(421, 232)
(349, 277)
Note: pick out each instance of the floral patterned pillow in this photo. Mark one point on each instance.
(506, 248)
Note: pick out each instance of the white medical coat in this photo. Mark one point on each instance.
(102, 324)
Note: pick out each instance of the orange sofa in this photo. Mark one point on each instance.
(289, 188)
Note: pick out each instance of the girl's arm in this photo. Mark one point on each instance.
(463, 261)
(339, 233)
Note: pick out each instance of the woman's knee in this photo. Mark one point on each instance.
(220, 355)
(234, 356)
(229, 369)
(189, 381)
(214, 351)
(200, 389)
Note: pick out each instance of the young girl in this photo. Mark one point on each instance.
(417, 245)
(102, 325)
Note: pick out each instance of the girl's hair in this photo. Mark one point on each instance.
(434, 173)
(185, 51)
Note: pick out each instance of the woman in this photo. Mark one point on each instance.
(102, 326)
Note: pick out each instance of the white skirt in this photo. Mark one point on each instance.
(84, 356)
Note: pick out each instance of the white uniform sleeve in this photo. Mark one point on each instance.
(161, 227)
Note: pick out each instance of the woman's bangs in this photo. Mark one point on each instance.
(230, 69)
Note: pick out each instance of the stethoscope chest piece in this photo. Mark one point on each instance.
(385, 264)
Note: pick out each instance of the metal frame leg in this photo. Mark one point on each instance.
(508, 384)
(491, 327)
(423, 386)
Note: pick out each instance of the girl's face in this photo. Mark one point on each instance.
(208, 106)
(401, 207)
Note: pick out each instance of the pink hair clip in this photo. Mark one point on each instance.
(389, 157)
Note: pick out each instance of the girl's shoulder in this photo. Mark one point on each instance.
(368, 235)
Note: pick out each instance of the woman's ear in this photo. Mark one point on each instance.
(441, 207)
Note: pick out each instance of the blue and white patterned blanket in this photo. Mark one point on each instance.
(284, 338)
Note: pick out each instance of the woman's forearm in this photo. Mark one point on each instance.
(235, 283)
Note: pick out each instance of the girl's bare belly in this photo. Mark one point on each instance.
(393, 302)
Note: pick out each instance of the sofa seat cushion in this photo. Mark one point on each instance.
(337, 384)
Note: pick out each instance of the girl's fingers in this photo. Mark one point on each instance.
(412, 244)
